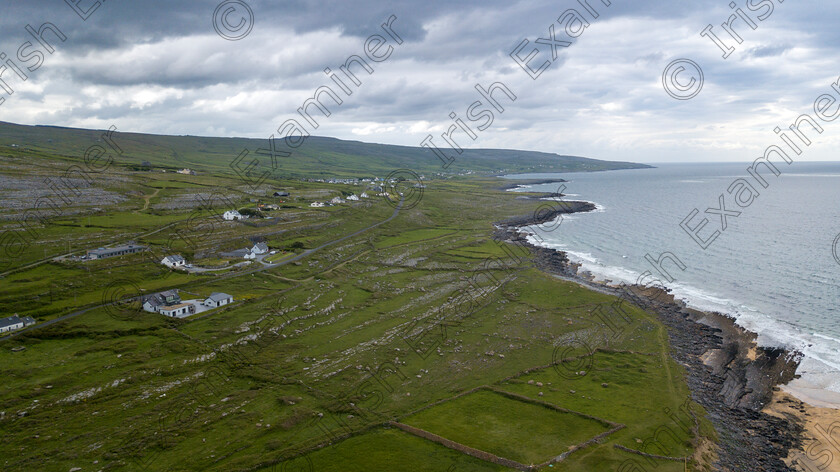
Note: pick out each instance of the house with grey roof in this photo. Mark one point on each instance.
(239, 253)
(155, 302)
(105, 252)
(259, 248)
(173, 261)
(15, 322)
(217, 299)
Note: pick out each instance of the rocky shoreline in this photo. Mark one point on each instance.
(732, 377)
(518, 183)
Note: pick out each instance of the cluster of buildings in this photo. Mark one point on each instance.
(352, 181)
(15, 322)
(169, 303)
(339, 200)
(343, 181)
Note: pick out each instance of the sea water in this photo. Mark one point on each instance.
(775, 268)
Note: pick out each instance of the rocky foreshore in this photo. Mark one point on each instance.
(519, 183)
(544, 215)
(728, 373)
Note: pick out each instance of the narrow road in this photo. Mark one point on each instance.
(300, 256)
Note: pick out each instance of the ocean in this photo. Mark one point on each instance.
(775, 268)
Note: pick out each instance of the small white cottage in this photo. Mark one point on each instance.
(217, 299)
(173, 261)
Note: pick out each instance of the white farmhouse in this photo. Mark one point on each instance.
(231, 215)
(10, 324)
(217, 299)
(15, 322)
(155, 302)
(173, 261)
(364, 195)
(337, 200)
(353, 197)
(259, 249)
(317, 204)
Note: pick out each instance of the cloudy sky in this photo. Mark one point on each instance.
(161, 66)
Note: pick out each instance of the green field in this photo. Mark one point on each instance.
(385, 314)
(524, 432)
(386, 449)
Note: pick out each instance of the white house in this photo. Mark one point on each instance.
(231, 215)
(15, 322)
(217, 299)
(155, 302)
(250, 255)
(337, 200)
(173, 261)
(10, 324)
(180, 309)
(353, 197)
(259, 249)
(316, 204)
(364, 195)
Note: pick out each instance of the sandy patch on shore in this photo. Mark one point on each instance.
(821, 438)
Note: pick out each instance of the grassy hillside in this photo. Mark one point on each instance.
(317, 157)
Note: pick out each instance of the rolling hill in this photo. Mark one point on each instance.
(317, 157)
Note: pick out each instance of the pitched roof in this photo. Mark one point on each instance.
(10, 321)
(218, 296)
(175, 258)
(159, 299)
(153, 300)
